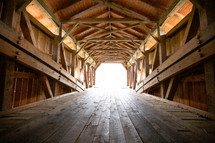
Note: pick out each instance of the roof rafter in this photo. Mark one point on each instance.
(84, 12)
(155, 5)
(123, 9)
(67, 5)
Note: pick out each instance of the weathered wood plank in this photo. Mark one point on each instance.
(23, 44)
(102, 131)
(131, 135)
(6, 89)
(106, 115)
(210, 84)
(116, 130)
(205, 35)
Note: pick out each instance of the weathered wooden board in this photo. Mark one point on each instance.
(105, 115)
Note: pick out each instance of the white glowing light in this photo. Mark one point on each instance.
(111, 75)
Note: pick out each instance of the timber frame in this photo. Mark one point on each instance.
(167, 72)
(166, 48)
(20, 46)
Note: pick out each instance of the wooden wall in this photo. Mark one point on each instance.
(174, 42)
(27, 87)
(45, 43)
(191, 89)
(35, 66)
(173, 74)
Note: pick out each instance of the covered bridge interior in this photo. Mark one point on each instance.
(50, 51)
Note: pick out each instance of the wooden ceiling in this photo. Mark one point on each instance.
(109, 30)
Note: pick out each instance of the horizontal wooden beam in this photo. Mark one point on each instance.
(24, 75)
(112, 39)
(110, 56)
(114, 31)
(187, 62)
(35, 64)
(106, 45)
(93, 26)
(112, 50)
(104, 20)
(110, 59)
(24, 52)
(174, 62)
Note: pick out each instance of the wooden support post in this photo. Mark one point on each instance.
(56, 50)
(57, 46)
(73, 63)
(138, 71)
(9, 14)
(91, 76)
(6, 83)
(210, 84)
(146, 64)
(46, 86)
(155, 63)
(206, 12)
(173, 84)
(77, 69)
(54, 88)
(128, 75)
(88, 75)
(131, 76)
(27, 30)
(94, 76)
(162, 90)
(85, 76)
(162, 58)
(142, 72)
(82, 70)
(63, 57)
(134, 77)
(56, 58)
(162, 49)
(192, 26)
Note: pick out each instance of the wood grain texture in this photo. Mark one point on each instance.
(105, 115)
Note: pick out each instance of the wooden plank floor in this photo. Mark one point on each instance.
(104, 115)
